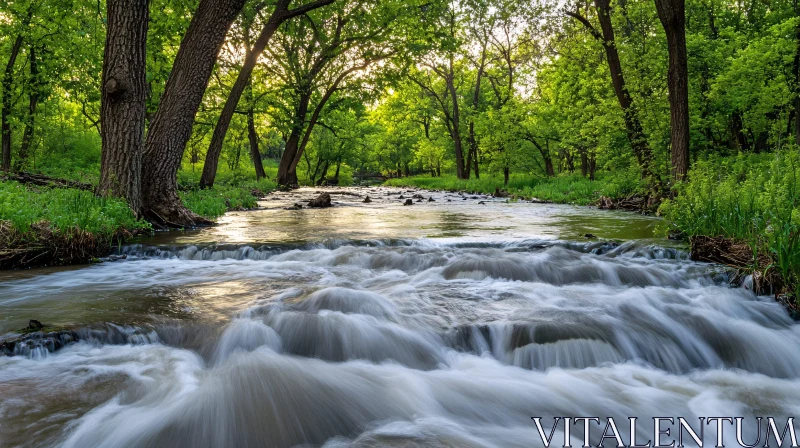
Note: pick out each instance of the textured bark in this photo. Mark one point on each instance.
(124, 92)
(242, 81)
(8, 82)
(633, 125)
(672, 14)
(255, 154)
(287, 173)
(461, 171)
(472, 157)
(33, 102)
(171, 126)
(280, 15)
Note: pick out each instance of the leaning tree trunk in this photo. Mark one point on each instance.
(8, 82)
(33, 101)
(124, 92)
(242, 81)
(633, 126)
(672, 14)
(255, 154)
(171, 126)
(280, 15)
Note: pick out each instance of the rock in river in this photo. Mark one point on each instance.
(321, 201)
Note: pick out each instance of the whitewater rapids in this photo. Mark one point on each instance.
(371, 343)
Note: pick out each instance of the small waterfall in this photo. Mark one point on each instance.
(389, 343)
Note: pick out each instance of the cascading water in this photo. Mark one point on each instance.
(390, 339)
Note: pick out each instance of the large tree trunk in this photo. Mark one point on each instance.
(8, 83)
(633, 126)
(672, 14)
(124, 92)
(171, 126)
(33, 102)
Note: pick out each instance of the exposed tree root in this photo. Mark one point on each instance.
(633, 203)
(739, 256)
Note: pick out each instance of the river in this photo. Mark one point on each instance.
(447, 323)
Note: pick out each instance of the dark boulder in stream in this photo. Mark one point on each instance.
(321, 201)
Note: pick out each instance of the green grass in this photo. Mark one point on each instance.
(566, 189)
(747, 198)
(233, 190)
(64, 210)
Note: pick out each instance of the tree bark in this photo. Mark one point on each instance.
(461, 172)
(633, 125)
(33, 101)
(672, 14)
(287, 169)
(124, 93)
(171, 126)
(255, 154)
(476, 97)
(280, 15)
(584, 162)
(8, 82)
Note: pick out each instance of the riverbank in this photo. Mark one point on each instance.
(62, 224)
(742, 211)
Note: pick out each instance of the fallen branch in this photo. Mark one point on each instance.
(45, 181)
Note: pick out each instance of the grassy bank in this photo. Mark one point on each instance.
(750, 203)
(571, 189)
(43, 226)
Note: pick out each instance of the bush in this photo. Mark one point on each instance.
(749, 198)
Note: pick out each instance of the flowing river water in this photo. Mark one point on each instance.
(444, 324)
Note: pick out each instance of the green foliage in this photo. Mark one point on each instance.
(64, 210)
(750, 198)
(214, 202)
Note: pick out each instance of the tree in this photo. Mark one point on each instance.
(124, 92)
(318, 54)
(171, 126)
(672, 14)
(633, 125)
(8, 80)
(281, 14)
